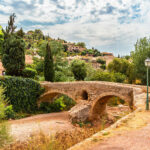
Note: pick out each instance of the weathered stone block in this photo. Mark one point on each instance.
(80, 112)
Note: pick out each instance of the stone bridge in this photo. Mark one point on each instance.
(92, 97)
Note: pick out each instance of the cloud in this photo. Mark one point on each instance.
(107, 25)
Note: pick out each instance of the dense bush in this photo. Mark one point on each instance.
(4, 131)
(22, 93)
(2, 104)
(101, 61)
(29, 73)
(99, 75)
(9, 112)
(61, 103)
(79, 69)
(118, 77)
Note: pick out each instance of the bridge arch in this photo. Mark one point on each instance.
(99, 104)
(47, 97)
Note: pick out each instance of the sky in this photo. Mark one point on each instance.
(107, 25)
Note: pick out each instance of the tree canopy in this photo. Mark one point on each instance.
(142, 51)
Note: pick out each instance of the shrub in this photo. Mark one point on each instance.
(22, 93)
(9, 112)
(101, 76)
(79, 69)
(103, 66)
(61, 103)
(118, 77)
(29, 73)
(56, 106)
(2, 104)
(101, 61)
(4, 134)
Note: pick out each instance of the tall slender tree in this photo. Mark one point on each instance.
(49, 72)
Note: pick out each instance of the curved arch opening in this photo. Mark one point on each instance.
(56, 102)
(110, 107)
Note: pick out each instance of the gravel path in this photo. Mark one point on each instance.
(47, 123)
(130, 140)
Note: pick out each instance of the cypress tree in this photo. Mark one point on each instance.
(49, 73)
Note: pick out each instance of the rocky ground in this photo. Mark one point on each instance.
(131, 134)
(51, 123)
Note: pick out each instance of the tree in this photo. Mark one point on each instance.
(38, 34)
(1, 40)
(20, 33)
(123, 66)
(81, 44)
(79, 69)
(49, 73)
(13, 54)
(10, 29)
(142, 51)
(65, 48)
(119, 65)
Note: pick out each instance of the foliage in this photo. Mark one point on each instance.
(38, 65)
(62, 70)
(79, 69)
(4, 132)
(38, 34)
(124, 67)
(103, 66)
(56, 48)
(49, 73)
(99, 75)
(101, 61)
(118, 65)
(2, 103)
(61, 103)
(115, 101)
(1, 39)
(22, 93)
(9, 112)
(81, 44)
(91, 52)
(10, 29)
(13, 55)
(20, 33)
(65, 48)
(4, 135)
(118, 77)
(29, 73)
(142, 51)
(56, 106)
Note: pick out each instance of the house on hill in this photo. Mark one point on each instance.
(74, 48)
(107, 54)
(28, 60)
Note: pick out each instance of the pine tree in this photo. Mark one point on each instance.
(49, 73)
(13, 54)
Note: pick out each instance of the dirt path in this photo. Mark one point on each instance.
(47, 123)
(136, 138)
(133, 140)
